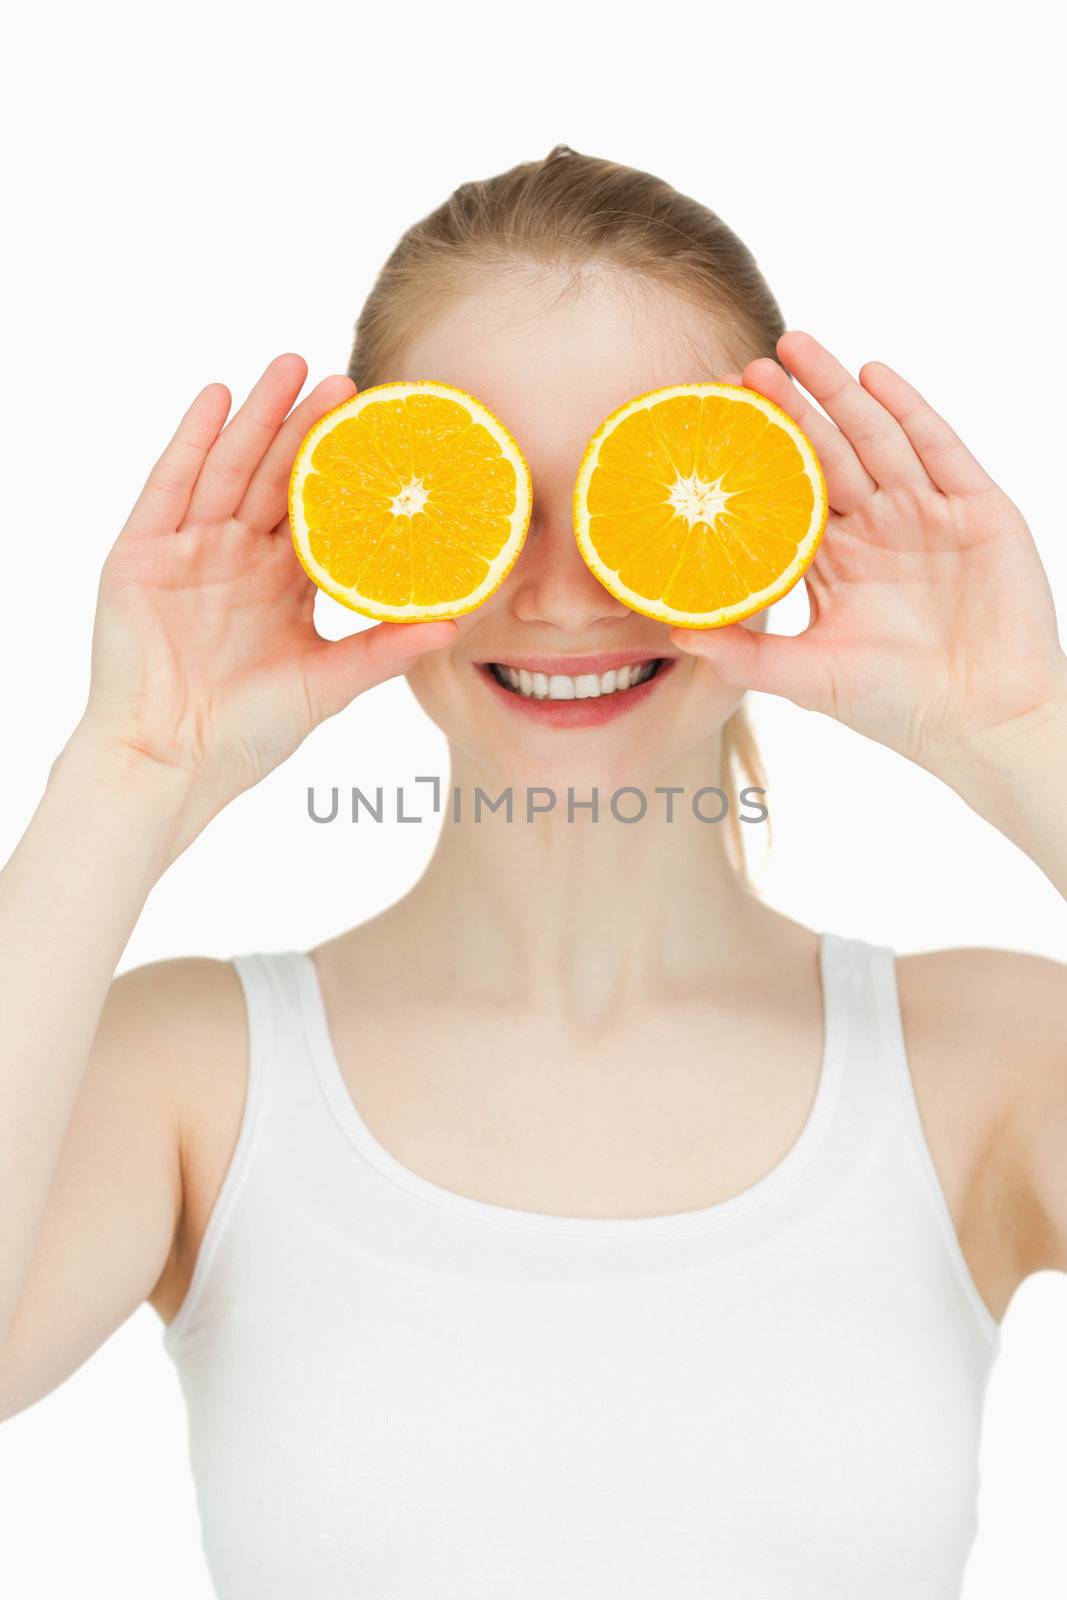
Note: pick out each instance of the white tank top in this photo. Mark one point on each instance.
(397, 1392)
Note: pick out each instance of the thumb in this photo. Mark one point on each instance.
(770, 663)
(336, 671)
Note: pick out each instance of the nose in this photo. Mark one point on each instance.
(551, 584)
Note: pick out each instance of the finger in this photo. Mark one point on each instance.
(770, 663)
(266, 501)
(163, 501)
(942, 452)
(848, 483)
(336, 671)
(873, 432)
(244, 441)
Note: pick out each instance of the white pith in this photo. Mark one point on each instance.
(562, 686)
(411, 499)
(697, 500)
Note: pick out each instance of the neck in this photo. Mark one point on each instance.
(581, 918)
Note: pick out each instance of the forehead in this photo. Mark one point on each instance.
(552, 355)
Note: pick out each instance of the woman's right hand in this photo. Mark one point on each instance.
(206, 665)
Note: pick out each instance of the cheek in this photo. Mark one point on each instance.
(708, 702)
(720, 696)
(441, 687)
(444, 681)
(428, 681)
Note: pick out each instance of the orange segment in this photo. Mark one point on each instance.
(409, 501)
(699, 504)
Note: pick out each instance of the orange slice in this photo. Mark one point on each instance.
(409, 501)
(699, 504)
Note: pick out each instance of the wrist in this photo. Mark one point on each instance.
(1008, 771)
(104, 781)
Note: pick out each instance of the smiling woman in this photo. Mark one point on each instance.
(579, 1224)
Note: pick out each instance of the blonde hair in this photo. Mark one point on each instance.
(567, 211)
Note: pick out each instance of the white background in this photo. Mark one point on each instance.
(194, 189)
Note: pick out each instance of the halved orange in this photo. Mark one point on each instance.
(409, 501)
(699, 504)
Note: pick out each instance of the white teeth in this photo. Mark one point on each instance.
(586, 686)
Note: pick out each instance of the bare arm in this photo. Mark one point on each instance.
(170, 1041)
(933, 628)
(1016, 777)
(1038, 1009)
(207, 672)
(985, 1031)
(69, 898)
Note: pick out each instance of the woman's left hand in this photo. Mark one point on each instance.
(932, 624)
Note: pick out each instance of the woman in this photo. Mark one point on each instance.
(579, 1226)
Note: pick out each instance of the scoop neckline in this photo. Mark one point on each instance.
(772, 1185)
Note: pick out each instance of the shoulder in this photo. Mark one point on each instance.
(178, 979)
(180, 1023)
(174, 1031)
(195, 990)
(999, 1005)
(182, 1016)
(986, 1034)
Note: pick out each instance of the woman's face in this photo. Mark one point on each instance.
(552, 364)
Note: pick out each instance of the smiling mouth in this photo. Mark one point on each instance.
(582, 686)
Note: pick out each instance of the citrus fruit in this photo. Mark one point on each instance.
(409, 501)
(699, 504)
